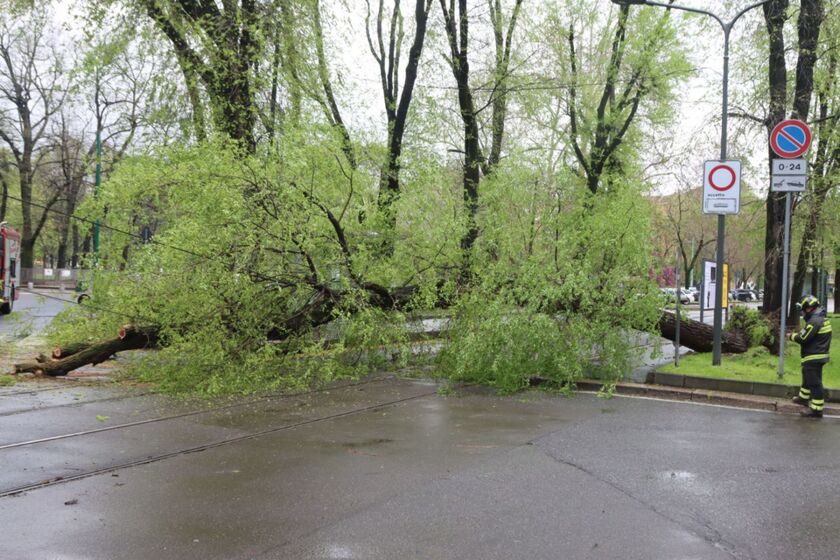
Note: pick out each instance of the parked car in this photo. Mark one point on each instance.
(671, 295)
(745, 295)
(689, 297)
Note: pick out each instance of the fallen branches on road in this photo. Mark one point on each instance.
(130, 337)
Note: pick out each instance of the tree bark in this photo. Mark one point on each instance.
(774, 17)
(699, 336)
(825, 166)
(130, 337)
(811, 16)
(69, 349)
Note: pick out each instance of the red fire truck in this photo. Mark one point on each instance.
(10, 271)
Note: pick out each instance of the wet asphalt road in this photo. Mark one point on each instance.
(33, 311)
(389, 469)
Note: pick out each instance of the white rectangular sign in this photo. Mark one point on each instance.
(787, 183)
(710, 285)
(794, 167)
(722, 187)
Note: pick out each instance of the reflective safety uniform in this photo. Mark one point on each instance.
(815, 340)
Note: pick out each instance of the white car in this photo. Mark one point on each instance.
(687, 293)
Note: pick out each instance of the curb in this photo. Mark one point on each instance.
(756, 402)
(757, 388)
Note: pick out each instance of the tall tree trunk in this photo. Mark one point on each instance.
(397, 102)
(27, 245)
(62, 254)
(75, 258)
(457, 31)
(191, 82)
(774, 17)
(329, 101)
(4, 198)
(825, 164)
(810, 20)
(503, 43)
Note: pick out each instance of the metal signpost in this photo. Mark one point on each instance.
(678, 292)
(789, 140)
(721, 196)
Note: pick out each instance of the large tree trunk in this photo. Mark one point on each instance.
(809, 30)
(693, 334)
(774, 16)
(811, 16)
(699, 336)
(62, 254)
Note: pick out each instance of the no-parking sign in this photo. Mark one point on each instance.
(790, 138)
(722, 187)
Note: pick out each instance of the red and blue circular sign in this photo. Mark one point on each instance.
(790, 138)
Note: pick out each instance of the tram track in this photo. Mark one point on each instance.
(193, 449)
(72, 404)
(186, 414)
(37, 391)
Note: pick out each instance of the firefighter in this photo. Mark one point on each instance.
(814, 341)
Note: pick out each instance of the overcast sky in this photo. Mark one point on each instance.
(697, 131)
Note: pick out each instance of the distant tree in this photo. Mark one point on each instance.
(457, 25)
(33, 88)
(692, 231)
(387, 51)
(635, 67)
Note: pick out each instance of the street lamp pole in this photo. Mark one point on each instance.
(727, 27)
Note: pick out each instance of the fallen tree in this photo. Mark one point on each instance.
(130, 337)
(700, 336)
(693, 334)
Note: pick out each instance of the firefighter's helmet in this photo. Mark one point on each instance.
(808, 302)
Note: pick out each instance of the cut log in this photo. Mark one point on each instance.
(69, 349)
(700, 336)
(131, 337)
